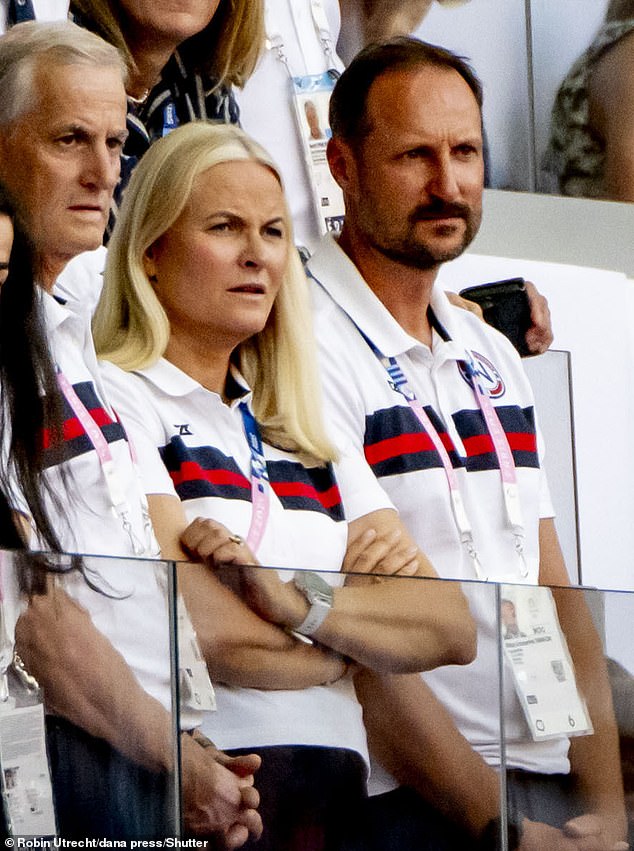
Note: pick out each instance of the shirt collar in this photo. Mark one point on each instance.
(57, 310)
(331, 267)
(174, 382)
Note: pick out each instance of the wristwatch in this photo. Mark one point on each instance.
(320, 596)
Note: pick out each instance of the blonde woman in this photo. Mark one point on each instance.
(205, 311)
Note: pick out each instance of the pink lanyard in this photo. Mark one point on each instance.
(510, 489)
(399, 383)
(260, 495)
(118, 500)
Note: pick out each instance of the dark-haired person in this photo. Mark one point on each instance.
(440, 406)
(62, 126)
(10, 538)
(303, 37)
(6, 235)
(28, 388)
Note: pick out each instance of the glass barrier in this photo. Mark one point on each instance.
(442, 749)
(347, 745)
(87, 744)
(550, 376)
(567, 669)
(322, 715)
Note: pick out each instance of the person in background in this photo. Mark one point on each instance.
(303, 40)
(181, 67)
(62, 127)
(591, 147)
(21, 341)
(205, 303)
(182, 62)
(440, 407)
(368, 21)
(17, 11)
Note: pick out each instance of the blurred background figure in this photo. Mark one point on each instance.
(365, 21)
(15, 11)
(591, 149)
(182, 65)
(305, 39)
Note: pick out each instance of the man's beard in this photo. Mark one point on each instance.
(413, 252)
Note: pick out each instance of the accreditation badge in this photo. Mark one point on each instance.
(540, 663)
(26, 784)
(25, 780)
(197, 691)
(311, 95)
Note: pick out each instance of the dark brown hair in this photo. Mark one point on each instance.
(348, 103)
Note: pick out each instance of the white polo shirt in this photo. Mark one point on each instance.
(206, 461)
(365, 410)
(133, 612)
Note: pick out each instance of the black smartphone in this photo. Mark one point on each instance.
(505, 306)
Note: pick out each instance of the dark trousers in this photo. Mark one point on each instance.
(311, 797)
(100, 793)
(402, 821)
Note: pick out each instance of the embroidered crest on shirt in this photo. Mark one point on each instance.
(490, 379)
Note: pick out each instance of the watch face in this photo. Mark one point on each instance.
(314, 586)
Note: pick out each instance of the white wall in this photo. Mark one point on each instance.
(492, 35)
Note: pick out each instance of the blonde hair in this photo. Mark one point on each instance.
(131, 329)
(227, 49)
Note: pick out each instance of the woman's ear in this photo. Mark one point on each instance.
(149, 266)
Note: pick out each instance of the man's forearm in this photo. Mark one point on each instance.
(594, 759)
(411, 733)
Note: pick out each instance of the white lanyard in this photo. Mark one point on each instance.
(118, 499)
(275, 39)
(260, 494)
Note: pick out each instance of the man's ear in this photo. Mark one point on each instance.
(341, 161)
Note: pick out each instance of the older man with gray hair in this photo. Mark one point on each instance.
(62, 127)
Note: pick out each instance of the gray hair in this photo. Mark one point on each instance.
(61, 43)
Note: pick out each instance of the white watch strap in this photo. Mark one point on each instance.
(316, 616)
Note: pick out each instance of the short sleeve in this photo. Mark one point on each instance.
(134, 406)
(360, 490)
